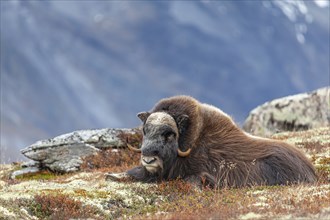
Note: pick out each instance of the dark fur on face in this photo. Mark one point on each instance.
(221, 153)
(160, 143)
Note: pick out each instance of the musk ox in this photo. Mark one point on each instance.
(183, 138)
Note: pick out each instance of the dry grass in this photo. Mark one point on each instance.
(185, 202)
(112, 160)
(60, 206)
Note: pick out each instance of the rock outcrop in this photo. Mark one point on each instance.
(65, 153)
(293, 113)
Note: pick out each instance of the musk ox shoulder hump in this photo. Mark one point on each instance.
(215, 110)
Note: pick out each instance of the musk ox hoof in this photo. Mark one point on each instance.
(117, 177)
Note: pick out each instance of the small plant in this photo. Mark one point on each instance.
(60, 206)
(178, 186)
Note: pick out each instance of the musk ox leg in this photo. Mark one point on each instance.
(194, 181)
(137, 174)
(141, 174)
(117, 176)
(204, 179)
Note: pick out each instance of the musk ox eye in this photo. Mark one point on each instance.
(168, 134)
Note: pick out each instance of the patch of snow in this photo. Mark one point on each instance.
(294, 11)
(322, 3)
(300, 38)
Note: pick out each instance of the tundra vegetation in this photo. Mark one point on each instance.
(86, 194)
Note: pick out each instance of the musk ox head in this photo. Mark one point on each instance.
(160, 146)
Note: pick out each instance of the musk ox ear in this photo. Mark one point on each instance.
(182, 122)
(143, 116)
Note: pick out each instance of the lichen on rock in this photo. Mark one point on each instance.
(293, 113)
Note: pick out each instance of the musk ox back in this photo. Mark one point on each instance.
(183, 138)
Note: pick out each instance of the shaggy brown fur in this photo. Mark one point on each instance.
(224, 155)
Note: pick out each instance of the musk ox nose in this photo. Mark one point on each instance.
(150, 152)
(149, 160)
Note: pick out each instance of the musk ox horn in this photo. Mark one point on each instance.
(184, 154)
(133, 148)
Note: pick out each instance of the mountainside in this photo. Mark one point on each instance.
(67, 65)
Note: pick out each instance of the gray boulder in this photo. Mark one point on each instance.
(292, 113)
(66, 153)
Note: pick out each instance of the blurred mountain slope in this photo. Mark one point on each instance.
(68, 65)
